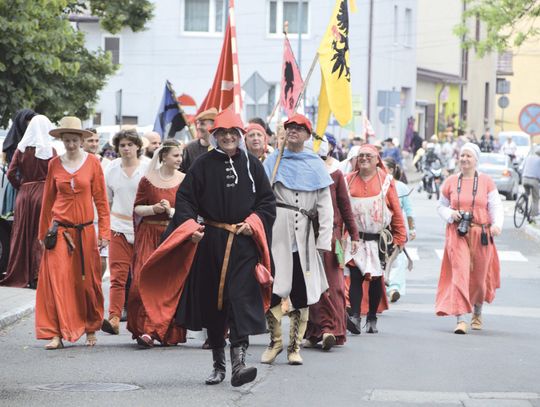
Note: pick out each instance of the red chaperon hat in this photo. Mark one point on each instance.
(227, 119)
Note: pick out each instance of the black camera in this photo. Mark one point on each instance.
(464, 223)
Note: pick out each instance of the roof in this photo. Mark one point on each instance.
(436, 76)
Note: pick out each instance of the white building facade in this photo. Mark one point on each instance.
(183, 42)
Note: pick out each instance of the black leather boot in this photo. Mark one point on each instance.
(354, 324)
(218, 374)
(240, 373)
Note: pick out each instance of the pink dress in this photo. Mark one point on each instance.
(470, 271)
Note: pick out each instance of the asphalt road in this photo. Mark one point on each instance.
(414, 360)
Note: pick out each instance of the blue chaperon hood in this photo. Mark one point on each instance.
(304, 171)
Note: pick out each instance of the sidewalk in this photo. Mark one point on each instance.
(533, 231)
(15, 303)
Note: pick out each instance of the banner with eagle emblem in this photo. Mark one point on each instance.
(335, 95)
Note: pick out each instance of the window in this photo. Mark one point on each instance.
(207, 16)
(281, 11)
(477, 28)
(112, 45)
(408, 27)
(96, 120)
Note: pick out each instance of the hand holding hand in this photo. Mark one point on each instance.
(245, 229)
(158, 208)
(166, 205)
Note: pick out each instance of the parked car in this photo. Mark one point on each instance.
(522, 140)
(499, 167)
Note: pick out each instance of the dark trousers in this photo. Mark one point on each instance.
(298, 293)
(216, 333)
(356, 292)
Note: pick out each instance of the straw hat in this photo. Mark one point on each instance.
(70, 124)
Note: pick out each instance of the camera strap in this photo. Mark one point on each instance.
(475, 189)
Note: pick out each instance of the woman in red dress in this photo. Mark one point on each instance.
(69, 299)
(154, 206)
(470, 270)
(27, 173)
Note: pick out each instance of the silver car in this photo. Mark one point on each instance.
(499, 167)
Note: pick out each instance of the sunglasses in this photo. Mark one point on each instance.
(365, 156)
(297, 127)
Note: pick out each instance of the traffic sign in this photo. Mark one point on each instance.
(529, 119)
(386, 116)
(503, 102)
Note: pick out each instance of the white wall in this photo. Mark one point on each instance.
(189, 60)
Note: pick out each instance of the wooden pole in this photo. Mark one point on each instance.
(180, 110)
(300, 96)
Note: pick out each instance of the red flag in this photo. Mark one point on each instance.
(291, 80)
(226, 90)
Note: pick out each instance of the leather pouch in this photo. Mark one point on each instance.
(51, 237)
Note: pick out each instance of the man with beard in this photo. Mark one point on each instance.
(154, 141)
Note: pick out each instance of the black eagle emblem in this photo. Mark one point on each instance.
(340, 44)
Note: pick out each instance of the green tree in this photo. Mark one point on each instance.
(508, 23)
(44, 64)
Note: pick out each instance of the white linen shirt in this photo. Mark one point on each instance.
(122, 191)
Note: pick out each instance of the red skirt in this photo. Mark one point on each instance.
(147, 240)
(25, 250)
(328, 315)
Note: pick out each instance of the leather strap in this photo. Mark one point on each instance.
(79, 228)
(232, 233)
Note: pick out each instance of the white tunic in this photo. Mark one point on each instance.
(290, 233)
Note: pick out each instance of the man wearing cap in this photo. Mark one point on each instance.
(210, 267)
(301, 185)
(122, 179)
(204, 121)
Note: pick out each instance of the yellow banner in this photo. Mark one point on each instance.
(335, 95)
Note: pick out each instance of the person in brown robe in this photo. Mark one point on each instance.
(27, 173)
(327, 318)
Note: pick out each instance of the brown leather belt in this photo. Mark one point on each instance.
(479, 225)
(157, 222)
(232, 233)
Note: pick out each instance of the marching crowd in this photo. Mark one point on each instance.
(227, 234)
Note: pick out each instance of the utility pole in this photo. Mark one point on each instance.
(370, 45)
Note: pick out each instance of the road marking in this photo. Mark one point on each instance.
(504, 255)
(413, 253)
(455, 398)
(524, 312)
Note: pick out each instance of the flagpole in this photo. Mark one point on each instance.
(180, 110)
(282, 147)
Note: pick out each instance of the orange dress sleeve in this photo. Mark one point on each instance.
(99, 194)
(49, 196)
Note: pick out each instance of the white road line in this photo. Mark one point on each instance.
(504, 255)
(523, 312)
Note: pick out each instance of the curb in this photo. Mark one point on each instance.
(10, 317)
(532, 231)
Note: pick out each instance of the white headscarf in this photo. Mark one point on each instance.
(323, 146)
(473, 148)
(345, 165)
(37, 135)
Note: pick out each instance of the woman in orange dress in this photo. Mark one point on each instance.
(470, 271)
(154, 206)
(69, 300)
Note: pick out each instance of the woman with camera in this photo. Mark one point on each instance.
(470, 272)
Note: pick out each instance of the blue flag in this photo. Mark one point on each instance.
(168, 113)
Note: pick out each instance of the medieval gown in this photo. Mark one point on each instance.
(69, 304)
(215, 190)
(27, 174)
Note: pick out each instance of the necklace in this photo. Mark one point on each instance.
(163, 178)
